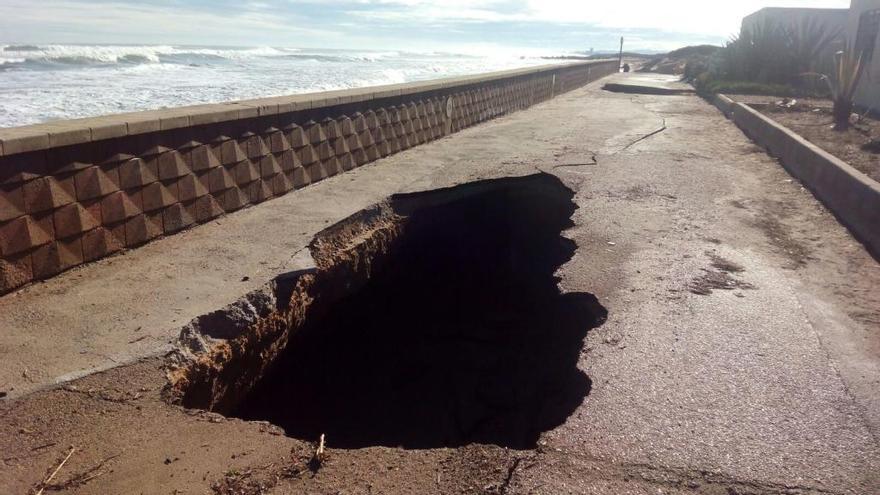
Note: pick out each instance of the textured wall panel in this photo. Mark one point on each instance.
(74, 198)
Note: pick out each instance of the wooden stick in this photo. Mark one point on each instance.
(320, 452)
(46, 482)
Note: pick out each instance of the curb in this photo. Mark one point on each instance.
(852, 196)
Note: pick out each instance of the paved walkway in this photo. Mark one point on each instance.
(773, 387)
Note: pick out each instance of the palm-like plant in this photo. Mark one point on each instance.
(843, 83)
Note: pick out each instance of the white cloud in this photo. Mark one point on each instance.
(386, 24)
(77, 21)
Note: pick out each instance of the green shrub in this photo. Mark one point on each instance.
(775, 54)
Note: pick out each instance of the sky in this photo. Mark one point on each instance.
(471, 26)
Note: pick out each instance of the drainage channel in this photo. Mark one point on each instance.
(432, 320)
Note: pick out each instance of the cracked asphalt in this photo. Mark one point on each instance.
(741, 353)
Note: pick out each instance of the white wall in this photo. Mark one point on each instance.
(868, 94)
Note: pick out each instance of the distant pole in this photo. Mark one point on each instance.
(620, 62)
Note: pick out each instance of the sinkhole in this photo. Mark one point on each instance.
(459, 335)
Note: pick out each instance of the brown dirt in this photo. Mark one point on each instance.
(813, 121)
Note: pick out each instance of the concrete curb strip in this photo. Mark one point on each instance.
(852, 196)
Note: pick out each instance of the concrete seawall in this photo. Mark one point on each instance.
(76, 191)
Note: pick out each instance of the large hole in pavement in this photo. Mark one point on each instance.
(461, 337)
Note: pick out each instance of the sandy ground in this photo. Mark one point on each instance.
(815, 124)
(772, 387)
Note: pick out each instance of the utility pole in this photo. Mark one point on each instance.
(620, 62)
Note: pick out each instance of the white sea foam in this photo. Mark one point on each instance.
(49, 82)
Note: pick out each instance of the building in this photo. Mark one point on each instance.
(806, 22)
(832, 20)
(863, 27)
(857, 27)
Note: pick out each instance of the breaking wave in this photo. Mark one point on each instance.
(41, 83)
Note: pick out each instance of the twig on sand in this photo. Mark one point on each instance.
(319, 457)
(84, 477)
(51, 476)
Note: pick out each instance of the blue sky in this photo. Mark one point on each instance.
(539, 26)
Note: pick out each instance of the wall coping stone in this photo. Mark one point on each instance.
(37, 137)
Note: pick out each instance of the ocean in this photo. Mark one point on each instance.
(41, 83)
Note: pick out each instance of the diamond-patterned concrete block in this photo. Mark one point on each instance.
(371, 119)
(15, 271)
(55, 257)
(316, 172)
(325, 151)
(143, 228)
(171, 165)
(189, 187)
(315, 132)
(121, 205)
(346, 126)
(353, 142)
(366, 138)
(307, 155)
(282, 184)
(384, 148)
(256, 147)
(372, 153)
(137, 172)
(233, 199)
(360, 156)
(48, 193)
(206, 208)
(11, 202)
(331, 128)
(383, 117)
(296, 136)
(94, 182)
(231, 152)
(218, 179)
(205, 157)
(259, 191)
(24, 233)
(74, 219)
(346, 161)
(340, 146)
(103, 241)
(176, 218)
(332, 166)
(300, 177)
(359, 122)
(288, 160)
(269, 166)
(159, 195)
(278, 142)
(245, 172)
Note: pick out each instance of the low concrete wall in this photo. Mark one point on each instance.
(852, 196)
(724, 104)
(76, 191)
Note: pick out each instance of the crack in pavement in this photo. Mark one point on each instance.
(646, 136)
